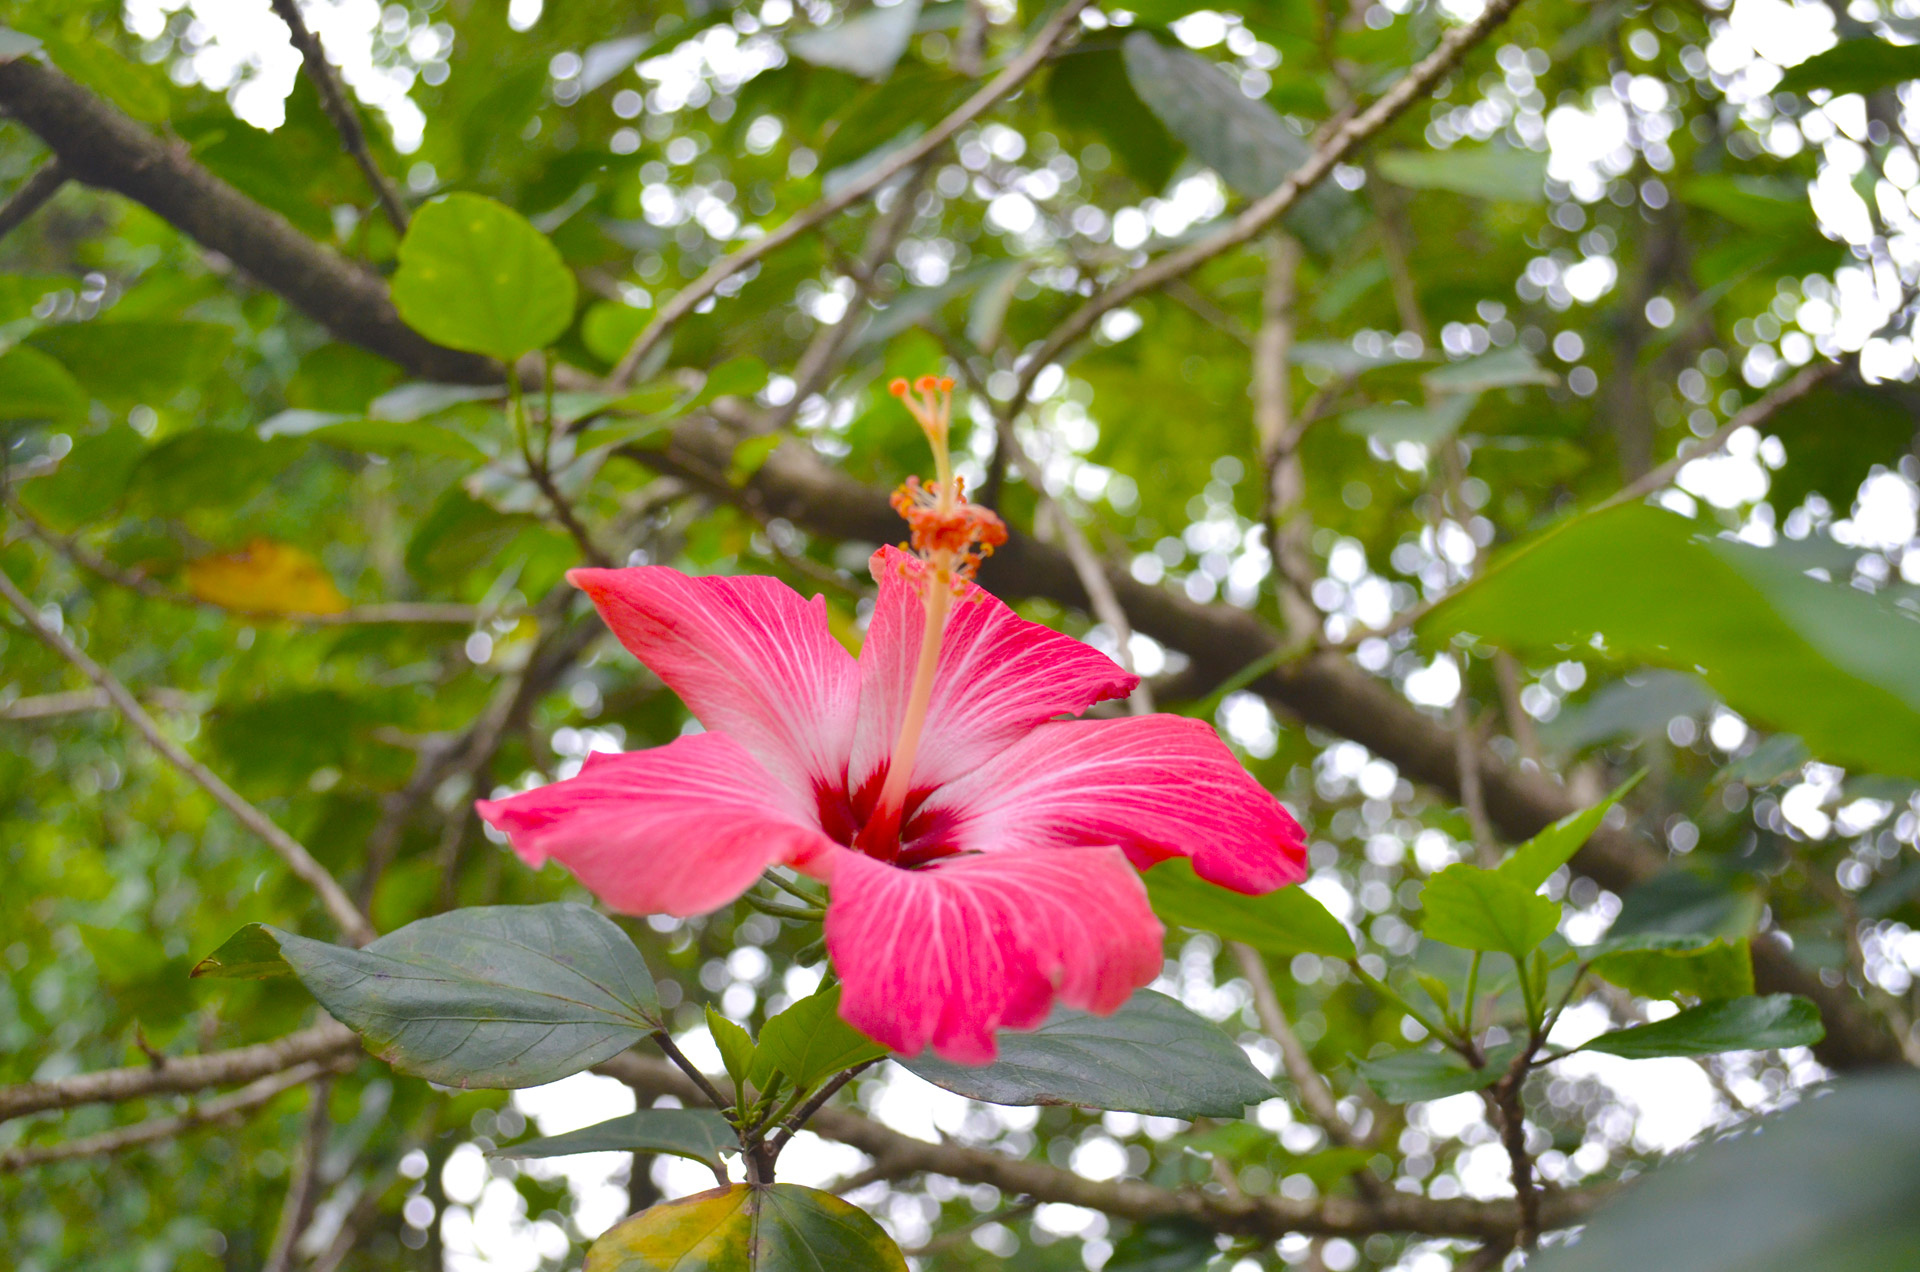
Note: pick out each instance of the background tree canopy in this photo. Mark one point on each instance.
(1494, 416)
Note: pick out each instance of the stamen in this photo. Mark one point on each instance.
(951, 537)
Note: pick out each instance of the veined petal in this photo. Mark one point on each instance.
(748, 656)
(999, 675)
(681, 829)
(1159, 786)
(945, 956)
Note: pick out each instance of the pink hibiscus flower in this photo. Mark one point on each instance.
(981, 852)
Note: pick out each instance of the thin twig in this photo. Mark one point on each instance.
(303, 1186)
(1315, 1096)
(806, 1111)
(333, 96)
(245, 1100)
(32, 195)
(351, 921)
(664, 1040)
(1279, 430)
(1014, 74)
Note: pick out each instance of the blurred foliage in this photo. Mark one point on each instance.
(196, 471)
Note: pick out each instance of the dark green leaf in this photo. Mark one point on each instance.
(1826, 661)
(1477, 909)
(1738, 1024)
(475, 275)
(89, 481)
(1152, 1056)
(1242, 139)
(1289, 921)
(810, 1043)
(1865, 65)
(1088, 89)
(699, 1134)
(495, 996)
(748, 1228)
(1637, 707)
(1406, 1076)
(1830, 1185)
(1535, 860)
(1681, 903)
(1484, 172)
(1835, 435)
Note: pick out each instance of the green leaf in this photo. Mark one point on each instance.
(252, 953)
(809, 1042)
(136, 361)
(736, 377)
(494, 996)
(608, 327)
(90, 480)
(1089, 90)
(417, 401)
(1483, 172)
(1678, 902)
(1534, 861)
(1828, 662)
(33, 386)
(735, 1045)
(868, 45)
(748, 1228)
(1152, 1056)
(1827, 1186)
(1426, 425)
(1243, 140)
(380, 437)
(700, 1135)
(1775, 760)
(475, 275)
(1738, 1024)
(1717, 969)
(1865, 65)
(1287, 922)
(1633, 709)
(1834, 436)
(1406, 1076)
(1502, 369)
(1477, 909)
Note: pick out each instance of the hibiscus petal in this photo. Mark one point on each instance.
(999, 676)
(681, 829)
(748, 656)
(1159, 786)
(947, 955)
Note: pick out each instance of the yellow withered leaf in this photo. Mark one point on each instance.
(265, 577)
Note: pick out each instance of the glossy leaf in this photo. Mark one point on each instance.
(1287, 922)
(1830, 1185)
(475, 275)
(1534, 861)
(495, 996)
(1152, 1056)
(700, 1135)
(1717, 969)
(1477, 909)
(1738, 1024)
(810, 1043)
(1825, 661)
(1406, 1076)
(748, 1228)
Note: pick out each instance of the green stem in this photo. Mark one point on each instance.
(1473, 993)
(1381, 987)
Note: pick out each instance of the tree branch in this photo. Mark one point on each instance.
(346, 121)
(1315, 1096)
(324, 1042)
(98, 145)
(1014, 74)
(1267, 1218)
(290, 850)
(218, 1109)
(1264, 211)
(32, 195)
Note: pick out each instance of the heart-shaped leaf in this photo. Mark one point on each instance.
(1152, 1056)
(475, 275)
(748, 1228)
